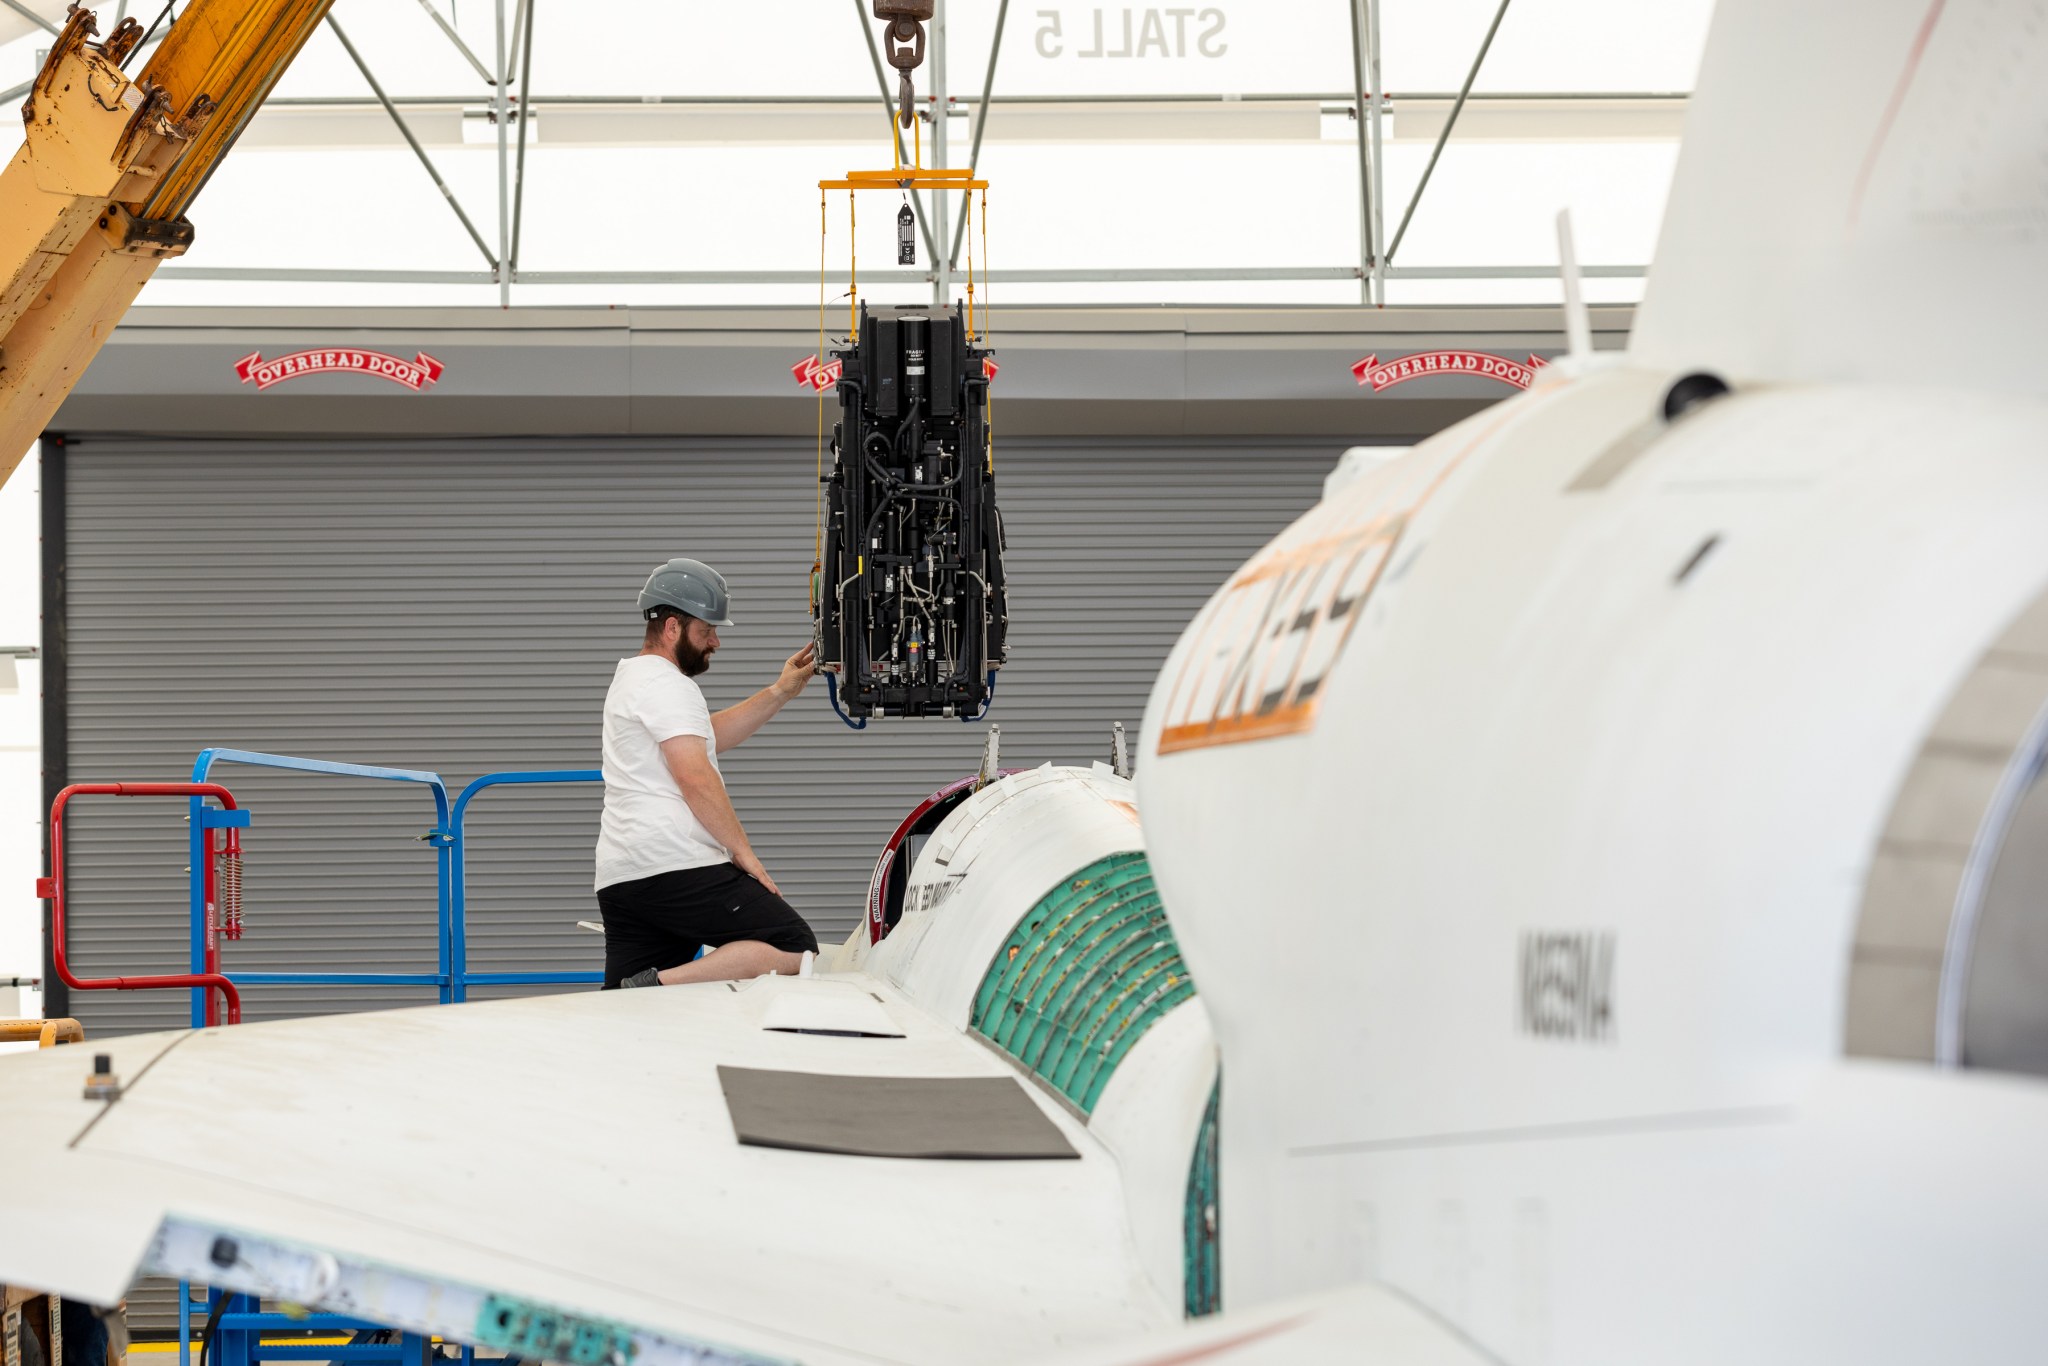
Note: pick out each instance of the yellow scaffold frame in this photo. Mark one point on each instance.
(42, 1033)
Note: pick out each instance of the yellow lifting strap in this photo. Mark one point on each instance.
(818, 559)
(96, 196)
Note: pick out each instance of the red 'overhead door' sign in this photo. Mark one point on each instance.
(822, 377)
(415, 374)
(1425, 363)
(816, 376)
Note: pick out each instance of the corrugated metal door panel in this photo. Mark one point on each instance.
(459, 606)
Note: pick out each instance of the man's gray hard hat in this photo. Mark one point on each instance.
(690, 586)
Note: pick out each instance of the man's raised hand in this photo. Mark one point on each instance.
(797, 671)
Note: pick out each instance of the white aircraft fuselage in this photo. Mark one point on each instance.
(1529, 815)
(1610, 839)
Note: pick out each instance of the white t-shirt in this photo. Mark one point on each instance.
(647, 827)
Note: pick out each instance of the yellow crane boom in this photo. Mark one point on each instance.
(96, 196)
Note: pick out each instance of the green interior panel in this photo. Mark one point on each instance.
(1086, 972)
(1202, 1273)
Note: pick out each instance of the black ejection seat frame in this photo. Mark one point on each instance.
(909, 604)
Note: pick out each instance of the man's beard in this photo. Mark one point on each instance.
(691, 660)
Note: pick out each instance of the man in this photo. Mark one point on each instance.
(675, 872)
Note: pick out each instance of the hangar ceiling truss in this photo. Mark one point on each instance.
(510, 106)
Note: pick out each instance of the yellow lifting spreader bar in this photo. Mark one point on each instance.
(906, 178)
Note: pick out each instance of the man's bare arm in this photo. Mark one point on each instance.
(689, 761)
(737, 722)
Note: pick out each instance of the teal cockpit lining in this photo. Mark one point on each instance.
(1086, 972)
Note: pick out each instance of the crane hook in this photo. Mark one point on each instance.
(903, 43)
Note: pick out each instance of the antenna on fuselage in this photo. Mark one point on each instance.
(1119, 750)
(991, 759)
(1578, 327)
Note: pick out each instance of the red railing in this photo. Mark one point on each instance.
(51, 889)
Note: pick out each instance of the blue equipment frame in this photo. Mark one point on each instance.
(238, 1336)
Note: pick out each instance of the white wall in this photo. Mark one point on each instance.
(21, 759)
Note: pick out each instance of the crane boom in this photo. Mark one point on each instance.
(96, 196)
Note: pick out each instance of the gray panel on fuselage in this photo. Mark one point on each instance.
(932, 1117)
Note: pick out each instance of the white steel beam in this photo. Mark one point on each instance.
(25, 12)
(942, 282)
(453, 37)
(1379, 165)
(1108, 275)
(621, 121)
(502, 109)
(1366, 254)
(1444, 134)
(988, 83)
(523, 35)
(406, 131)
(903, 155)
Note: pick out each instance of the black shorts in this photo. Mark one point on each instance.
(661, 921)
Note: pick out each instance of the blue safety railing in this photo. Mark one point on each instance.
(238, 1330)
(451, 977)
(441, 837)
(459, 926)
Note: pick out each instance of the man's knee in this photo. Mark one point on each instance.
(771, 959)
(761, 956)
(736, 961)
(793, 936)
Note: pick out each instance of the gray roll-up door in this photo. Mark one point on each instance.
(459, 606)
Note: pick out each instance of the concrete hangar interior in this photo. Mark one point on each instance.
(1394, 696)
